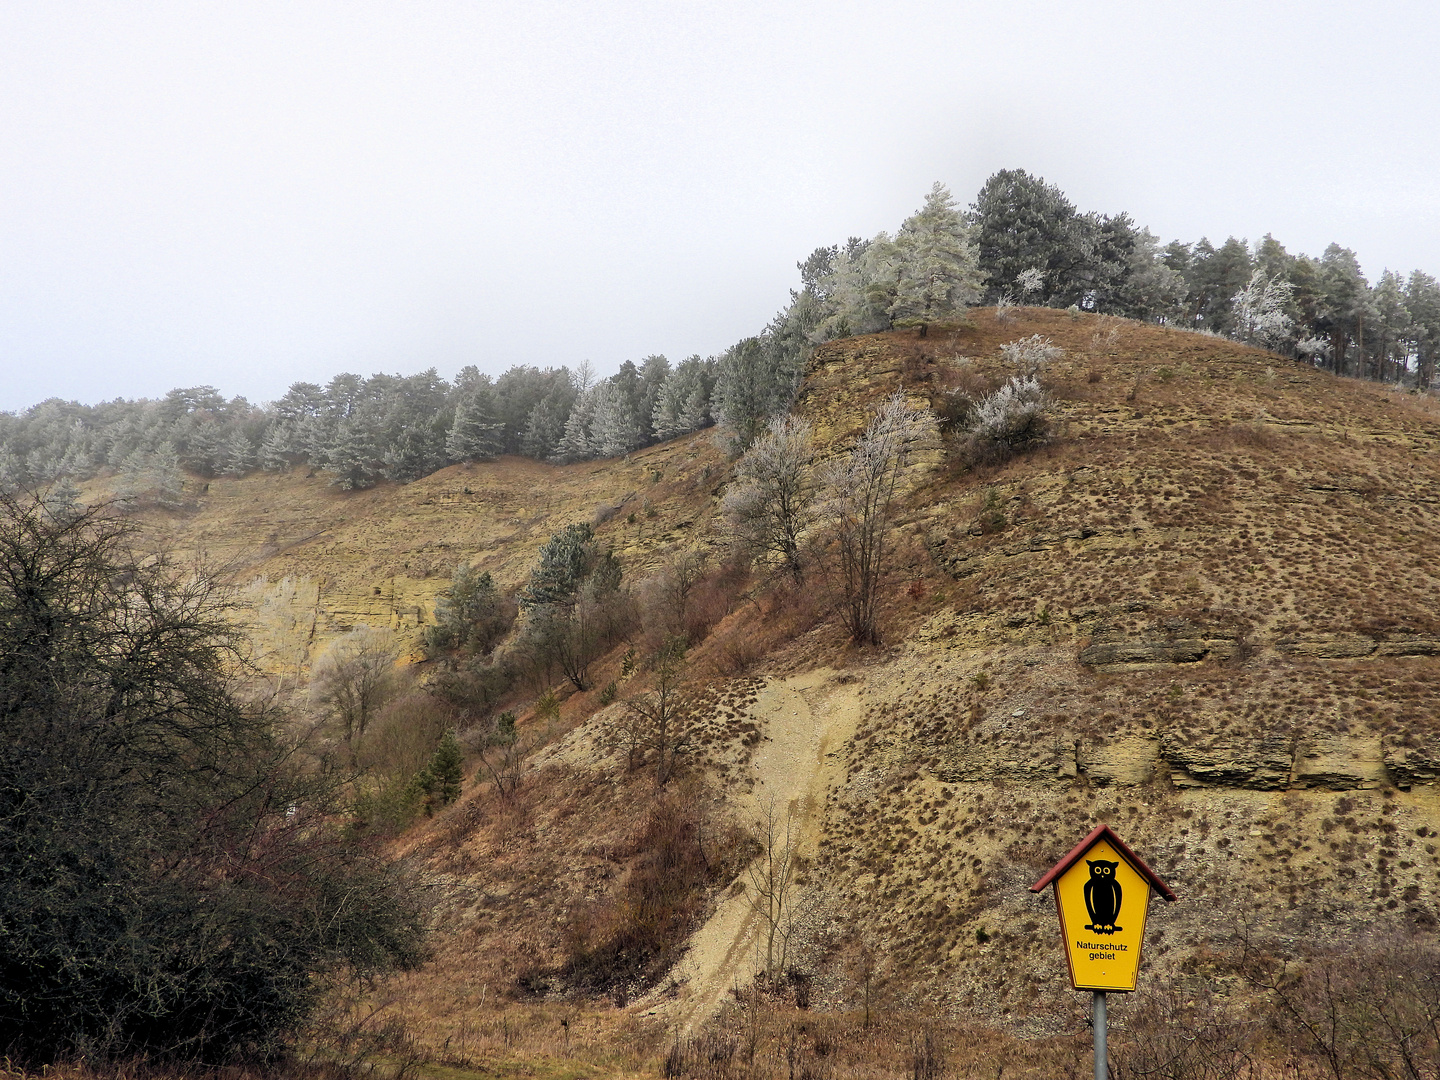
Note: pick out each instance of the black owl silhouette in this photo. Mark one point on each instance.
(1102, 897)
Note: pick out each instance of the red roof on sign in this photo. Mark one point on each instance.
(1104, 832)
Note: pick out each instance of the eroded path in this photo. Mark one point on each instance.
(805, 720)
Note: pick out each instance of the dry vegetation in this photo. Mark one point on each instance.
(1203, 612)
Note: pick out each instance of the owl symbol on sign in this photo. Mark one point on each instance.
(1102, 897)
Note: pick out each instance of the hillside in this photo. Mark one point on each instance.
(1204, 613)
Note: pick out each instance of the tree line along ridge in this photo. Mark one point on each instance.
(1020, 242)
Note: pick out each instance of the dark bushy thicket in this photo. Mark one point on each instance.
(175, 883)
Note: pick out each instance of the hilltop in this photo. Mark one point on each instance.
(1204, 613)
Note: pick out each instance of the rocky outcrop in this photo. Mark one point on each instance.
(1408, 764)
(1338, 762)
(1263, 763)
(1173, 641)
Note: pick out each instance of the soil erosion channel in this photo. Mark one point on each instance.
(805, 720)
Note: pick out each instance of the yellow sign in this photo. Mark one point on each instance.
(1102, 891)
(1103, 901)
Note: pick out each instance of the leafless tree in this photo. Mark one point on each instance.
(771, 502)
(667, 595)
(355, 677)
(653, 721)
(861, 487)
(772, 885)
(502, 755)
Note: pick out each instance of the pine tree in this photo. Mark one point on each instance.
(237, 456)
(476, 434)
(353, 457)
(169, 482)
(937, 273)
(575, 443)
(614, 430)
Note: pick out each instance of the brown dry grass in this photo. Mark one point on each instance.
(1194, 486)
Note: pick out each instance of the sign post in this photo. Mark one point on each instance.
(1102, 894)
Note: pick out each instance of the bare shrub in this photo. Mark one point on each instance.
(665, 598)
(403, 734)
(1372, 1012)
(1183, 1036)
(503, 750)
(926, 1060)
(627, 942)
(772, 887)
(652, 722)
(713, 598)
(860, 489)
(354, 678)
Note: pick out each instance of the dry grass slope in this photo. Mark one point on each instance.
(1204, 613)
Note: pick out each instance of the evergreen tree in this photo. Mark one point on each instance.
(615, 427)
(937, 274)
(1022, 223)
(544, 428)
(575, 444)
(1422, 301)
(755, 380)
(1388, 342)
(169, 482)
(565, 561)
(859, 290)
(354, 456)
(476, 434)
(654, 374)
(1344, 307)
(237, 456)
(683, 404)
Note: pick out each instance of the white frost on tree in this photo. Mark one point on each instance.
(859, 290)
(936, 265)
(614, 429)
(683, 404)
(575, 443)
(1030, 355)
(1258, 313)
(770, 504)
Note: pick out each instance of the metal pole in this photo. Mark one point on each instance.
(1102, 1070)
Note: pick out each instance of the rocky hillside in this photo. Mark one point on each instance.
(1204, 613)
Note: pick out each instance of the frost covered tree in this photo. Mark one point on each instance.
(771, 502)
(859, 290)
(861, 487)
(683, 403)
(476, 434)
(169, 482)
(937, 272)
(1258, 312)
(575, 443)
(355, 456)
(755, 380)
(615, 427)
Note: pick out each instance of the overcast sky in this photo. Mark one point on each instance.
(249, 194)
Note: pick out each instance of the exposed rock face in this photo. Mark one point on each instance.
(1339, 762)
(1408, 764)
(1176, 641)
